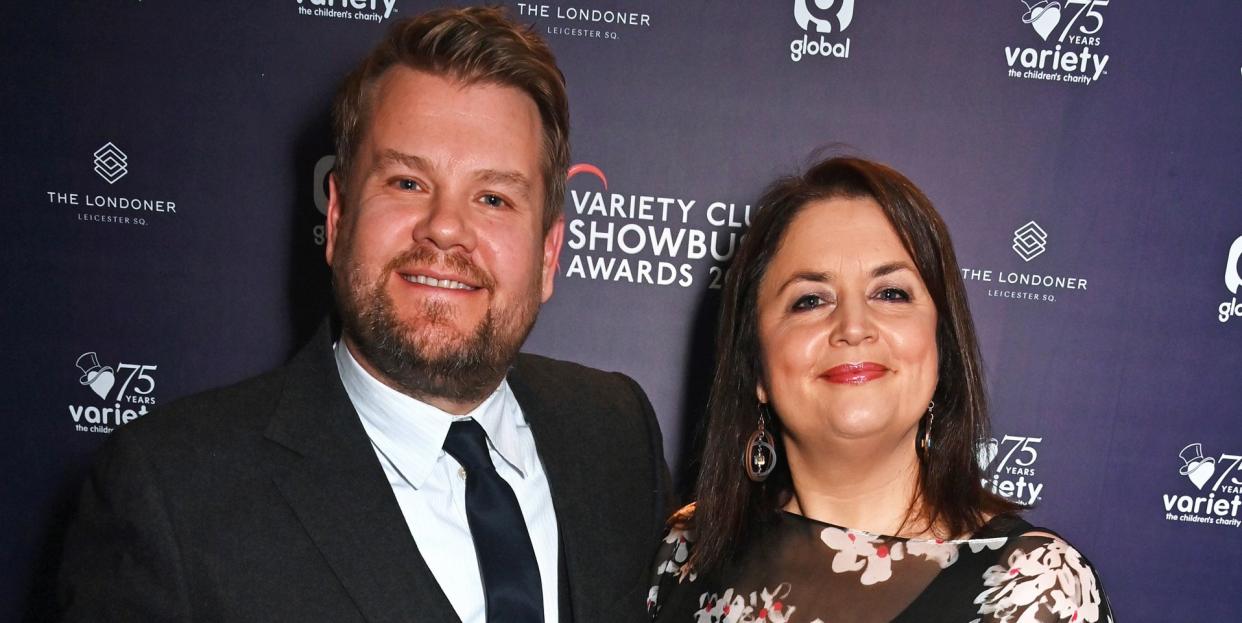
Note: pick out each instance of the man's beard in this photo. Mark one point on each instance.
(422, 359)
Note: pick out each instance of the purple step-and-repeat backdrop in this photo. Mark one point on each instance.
(164, 218)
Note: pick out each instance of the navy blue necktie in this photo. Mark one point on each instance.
(511, 585)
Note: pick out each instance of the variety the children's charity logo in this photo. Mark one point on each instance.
(1061, 28)
(1014, 476)
(646, 239)
(824, 18)
(1233, 278)
(136, 389)
(1215, 475)
(360, 10)
(111, 163)
(1029, 242)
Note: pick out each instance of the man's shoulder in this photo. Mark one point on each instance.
(567, 377)
(241, 408)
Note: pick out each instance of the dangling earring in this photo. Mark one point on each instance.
(760, 453)
(925, 444)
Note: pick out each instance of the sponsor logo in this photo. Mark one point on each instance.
(1233, 278)
(1014, 475)
(111, 163)
(323, 168)
(1061, 27)
(359, 10)
(646, 239)
(826, 19)
(134, 387)
(1217, 476)
(564, 20)
(1029, 242)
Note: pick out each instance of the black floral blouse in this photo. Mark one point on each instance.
(804, 571)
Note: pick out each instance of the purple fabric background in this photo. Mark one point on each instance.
(222, 108)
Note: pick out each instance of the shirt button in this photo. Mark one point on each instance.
(461, 473)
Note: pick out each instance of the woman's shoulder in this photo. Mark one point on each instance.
(673, 558)
(1037, 574)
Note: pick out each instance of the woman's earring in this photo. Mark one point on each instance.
(760, 453)
(925, 444)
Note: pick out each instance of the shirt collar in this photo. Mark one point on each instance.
(411, 433)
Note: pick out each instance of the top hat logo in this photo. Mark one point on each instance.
(1197, 468)
(1043, 16)
(99, 378)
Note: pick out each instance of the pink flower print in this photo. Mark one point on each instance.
(763, 606)
(1050, 578)
(860, 550)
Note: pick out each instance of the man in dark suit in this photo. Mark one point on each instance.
(410, 465)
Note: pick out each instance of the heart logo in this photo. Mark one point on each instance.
(1045, 19)
(103, 383)
(1200, 472)
(987, 453)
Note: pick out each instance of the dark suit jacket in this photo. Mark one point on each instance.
(264, 501)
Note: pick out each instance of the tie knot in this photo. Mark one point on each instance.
(467, 442)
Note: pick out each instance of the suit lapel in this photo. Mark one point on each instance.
(550, 414)
(340, 494)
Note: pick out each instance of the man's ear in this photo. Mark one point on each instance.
(552, 254)
(334, 216)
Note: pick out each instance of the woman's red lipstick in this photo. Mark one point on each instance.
(854, 373)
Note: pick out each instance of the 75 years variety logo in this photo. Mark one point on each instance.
(1014, 475)
(1078, 23)
(134, 386)
(1216, 475)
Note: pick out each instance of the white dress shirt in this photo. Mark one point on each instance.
(408, 437)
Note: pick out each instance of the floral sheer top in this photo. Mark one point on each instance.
(804, 571)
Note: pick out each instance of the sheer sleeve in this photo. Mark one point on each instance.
(1042, 580)
(671, 560)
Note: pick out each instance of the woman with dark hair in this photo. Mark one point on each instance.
(839, 479)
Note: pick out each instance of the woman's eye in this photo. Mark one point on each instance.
(807, 301)
(407, 184)
(495, 201)
(893, 294)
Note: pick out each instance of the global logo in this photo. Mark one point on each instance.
(1030, 241)
(1215, 475)
(822, 17)
(1233, 279)
(111, 163)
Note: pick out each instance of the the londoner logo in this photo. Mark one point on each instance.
(111, 163)
(1060, 27)
(107, 408)
(825, 19)
(360, 10)
(646, 239)
(1215, 475)
(1029, 241)
(567, 20)
(1014, 475)
(1233, 279)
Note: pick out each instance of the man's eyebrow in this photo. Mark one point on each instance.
(513, 179)
(390, 157)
